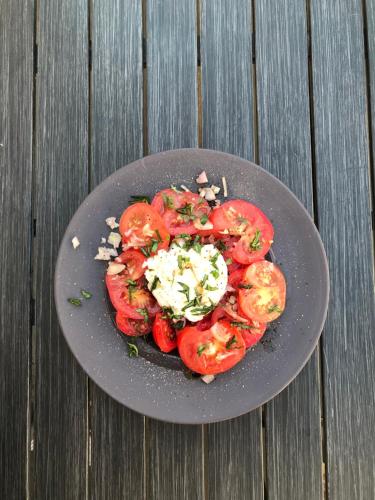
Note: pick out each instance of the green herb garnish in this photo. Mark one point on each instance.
(201, 348)
(168, 201)
(196, 244)
(204, 279)
(154, 283)
(245, 286)
(132, 350)
(274, 308)
(228, 262)
(143, 311)
(202, 310)
(75, 302)
(139, 199)
(210, 288)
(183, 261)
(215, 273)
(231, 341)
(221, 246)
(184, 289)
(131, 282)
(175, 189)
(242, 220)
(85, 294)
(204, 219)
(191, 303)
(178, 325)
(145, 251)
(255, 243)
(239, 324)
(158, 235)
(154, 246)
(213, 260)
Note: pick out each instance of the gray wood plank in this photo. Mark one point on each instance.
(60, 185)
(234, 448)
(342, 168)
(16, 84)
(293, 418)
(370, 18)
(117, 466)
(174, 452)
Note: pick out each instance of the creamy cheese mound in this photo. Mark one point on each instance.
(190, 282)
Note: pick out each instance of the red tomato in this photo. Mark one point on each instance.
(142, 226)
(133, 260)
(130, 300)
(181, 212)
(251, 331)
(163, 333)
(205, 323)
(265, 300)
(235, 277)
(211, 351)
(132, 327)
(240, 218)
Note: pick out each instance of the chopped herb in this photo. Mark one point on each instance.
(85, 294)
(185, 290)
(196, 244)
(132, 350)
(245, 285)
(154, 283)
(221, 246)
(75, 302)
(231, 341)
(139, 199)
(168, 201)
(204, 219)
(255, 243)
(154, 246)
(228, 262)
(175, 189)
(186, 212)
(210, 288)
(202, 310)
(131, 282)
(158, 235)
(184, 236)
(242, 220)
(274, 308)
(239, 324)
(201, 348)
(131, 289)
(179, 325)
(204, 279)
(215, 273)
(143, 311)
(213, 260)
(182, 261)
(145, 251)
(191, 303)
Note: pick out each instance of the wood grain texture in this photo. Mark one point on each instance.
(234, 448)
(16, 84)
(171, 73)
(117, 466)
(292, 418)
(174, 452)
(342, 167)
(60, 185)
(370, 17)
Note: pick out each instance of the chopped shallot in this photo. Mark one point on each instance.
(202, 178)
(75, 242)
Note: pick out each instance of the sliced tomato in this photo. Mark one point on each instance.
(205, 323)
(243, 219)
(235, 277)
(129, 299)
(163, 333)
(132, 327)
(182, 212)
(142, 226)
(133, 260)
(251, 331)
(211, 351)
(265, 300)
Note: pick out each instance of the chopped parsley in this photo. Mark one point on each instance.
(139, 199)
(245, 286)
(231, 341)
(204, 219)
(154, 246)
(185, 290)
(201, 348)
(186, 212)
(183, 262)
(75, 302)
(146, 251)
(255, 243)
(196, 244)
(167, 200)
(132, 350)
(215, 273)
(154, 283)
(213, 260)
(274, 308)
(191, 303)
(85, 294)
(202, 310)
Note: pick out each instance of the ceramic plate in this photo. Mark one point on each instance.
(155, 384)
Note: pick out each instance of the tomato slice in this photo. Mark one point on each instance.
(182, 212)
(265, 300)
(132, 327)
(235, 277)
(142, 226)
(133, 260)
(129, 298)
(211, 351)
(163, 333)
(243, 219)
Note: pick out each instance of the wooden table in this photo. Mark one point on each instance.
(87, 86)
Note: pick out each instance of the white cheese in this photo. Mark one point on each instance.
(183, 276)
(75, 242)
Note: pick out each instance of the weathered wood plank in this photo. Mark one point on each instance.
(370, 17)
(60, 185)
(342, 168)
(16, 84)
(174, 452)
(293, 418)
(117, 466)
(234, 448)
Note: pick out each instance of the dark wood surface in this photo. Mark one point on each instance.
(87, 86)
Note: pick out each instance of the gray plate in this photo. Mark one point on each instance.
(153, 383)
